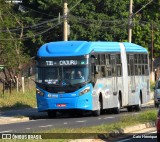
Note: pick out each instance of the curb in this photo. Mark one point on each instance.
(139, 127)
(135, 128)
(127, 130)
(116, 133)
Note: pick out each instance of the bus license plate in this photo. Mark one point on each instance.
(61, 105)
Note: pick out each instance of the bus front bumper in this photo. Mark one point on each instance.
(82, 103)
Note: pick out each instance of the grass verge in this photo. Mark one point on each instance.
(17, 100)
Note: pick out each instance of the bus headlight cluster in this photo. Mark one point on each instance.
(39, 92)
(84, 91)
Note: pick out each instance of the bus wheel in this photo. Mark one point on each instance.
(130, 109)
(138, 107)
(117, 109)
(156, 105)
(97, 112)
(51, 114)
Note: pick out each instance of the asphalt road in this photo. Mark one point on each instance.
(42, 122)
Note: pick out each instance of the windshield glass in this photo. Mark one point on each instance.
(62, 75)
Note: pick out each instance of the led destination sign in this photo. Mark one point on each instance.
(63, 62)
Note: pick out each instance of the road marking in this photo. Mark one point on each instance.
(45, 126)
(108, 117)
(6, 131)
(135, 113)
(65, 123)
(81, 121)
(99, 118)
(28, 128)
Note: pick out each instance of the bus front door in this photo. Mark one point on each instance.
(132, 74)
(114, 77)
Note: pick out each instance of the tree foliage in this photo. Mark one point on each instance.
(25, 27)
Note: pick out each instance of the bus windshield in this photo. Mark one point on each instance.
(63, 75)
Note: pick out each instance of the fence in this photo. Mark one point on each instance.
(22, 84)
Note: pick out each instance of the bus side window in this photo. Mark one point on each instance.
(119, 71)
(107, 59)
(97, 72)
(119, 66)
(108, 65)
(103, 71)
(96, 59)
(128, 65)
(103, 59)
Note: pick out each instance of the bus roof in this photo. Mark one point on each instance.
(78, 48)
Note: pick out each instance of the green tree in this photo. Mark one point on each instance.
(11, 45)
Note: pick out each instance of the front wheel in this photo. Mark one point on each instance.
(51, 114)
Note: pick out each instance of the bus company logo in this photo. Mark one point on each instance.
(6, 136)
(68, 62)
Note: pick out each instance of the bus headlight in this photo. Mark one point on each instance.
(84, 91)
(39, 92)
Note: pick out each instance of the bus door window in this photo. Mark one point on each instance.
(132, 72)
(103, 71)
(102, 59)
(114, 78)
(113, 63)
(108, 65)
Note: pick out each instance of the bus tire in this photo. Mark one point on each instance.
(51, 114)
(130, 108)
(138, 107)
(156, 105)
(98, 111)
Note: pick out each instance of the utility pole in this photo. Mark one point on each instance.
(130, 22)
(65, 22)
(152, 58)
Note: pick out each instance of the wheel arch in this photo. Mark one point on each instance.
(120, 97)
(101, 99)
(140, 95)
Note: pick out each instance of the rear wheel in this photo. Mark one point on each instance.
(51, 114)
(156, 105)
(130, 108)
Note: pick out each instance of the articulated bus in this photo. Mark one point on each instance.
(79, 76)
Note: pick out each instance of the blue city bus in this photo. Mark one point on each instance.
(79, 76)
